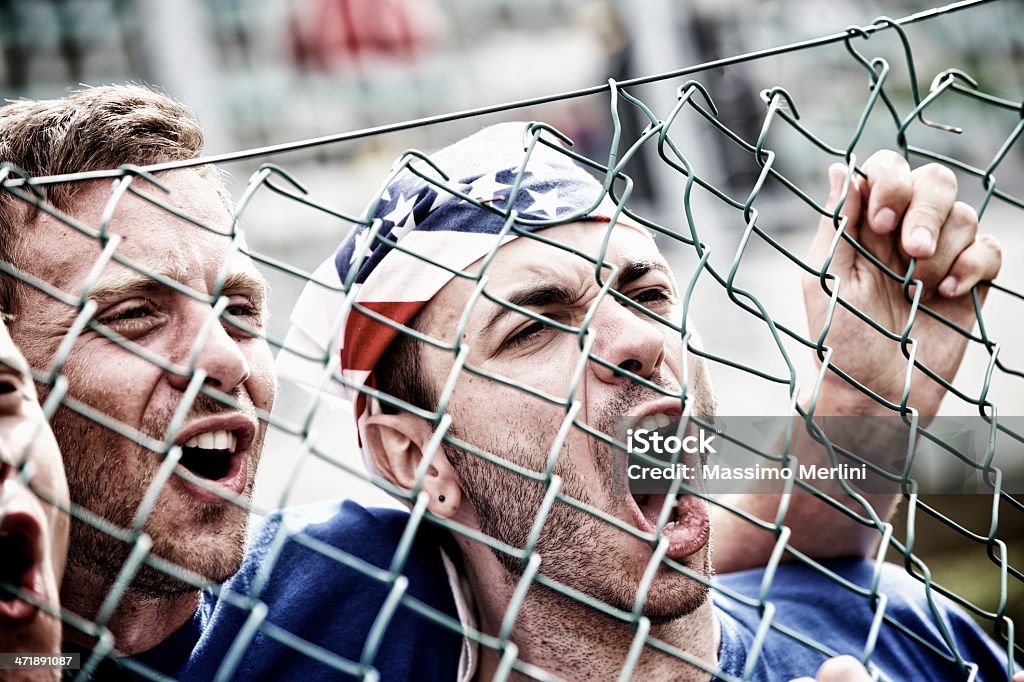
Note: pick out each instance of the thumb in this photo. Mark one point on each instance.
(826, 247)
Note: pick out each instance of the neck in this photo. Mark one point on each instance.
(140, 621)
(573, 641)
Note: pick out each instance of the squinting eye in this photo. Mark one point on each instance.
(135, 311)
(525, 334)
(132, 319)
(246, 312)
(240, 310)
(654, 295)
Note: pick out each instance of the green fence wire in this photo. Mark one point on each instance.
(907, 123)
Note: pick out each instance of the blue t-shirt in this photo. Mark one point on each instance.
(821, 610)
(325, 598)
(310, 600)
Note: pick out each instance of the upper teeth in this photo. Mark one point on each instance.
(213, 440)
(654, 422)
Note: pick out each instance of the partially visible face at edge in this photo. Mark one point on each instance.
(109, 474)
(577, 548)
(33, 532)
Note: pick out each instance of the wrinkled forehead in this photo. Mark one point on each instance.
(589, 242)
(186, 234)
(573, 251)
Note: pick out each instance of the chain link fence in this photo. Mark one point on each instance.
(727, 243)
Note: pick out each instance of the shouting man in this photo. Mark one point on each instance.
(138, 301)
(536, 315)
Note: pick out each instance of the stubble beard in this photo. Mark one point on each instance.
(109, 475)
(507, 504)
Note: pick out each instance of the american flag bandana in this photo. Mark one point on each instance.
(432, 222)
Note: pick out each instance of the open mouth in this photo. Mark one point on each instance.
(210, 455)
(215, 450)
(686, 524)
(687, 527)
(20, 567)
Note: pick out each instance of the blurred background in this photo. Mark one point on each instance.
(267, 72)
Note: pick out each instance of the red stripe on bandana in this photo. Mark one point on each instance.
(366, 339)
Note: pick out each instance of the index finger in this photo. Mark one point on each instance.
(935, 189)
(889, 187)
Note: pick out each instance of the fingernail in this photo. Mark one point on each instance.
(885, 220)
(947, 287)
(920, 242)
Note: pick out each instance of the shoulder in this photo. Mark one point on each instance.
(839, 603)
(855, 586)
(326, 578)
(344, 525)
(914, 601)
(327, 542)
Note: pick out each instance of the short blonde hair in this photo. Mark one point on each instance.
(95, 128)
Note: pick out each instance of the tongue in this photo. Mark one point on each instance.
(692, 529)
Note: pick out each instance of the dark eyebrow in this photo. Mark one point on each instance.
(535, 296)
(553, 294)
(637, 269)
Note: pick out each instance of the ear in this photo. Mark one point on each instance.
(397, 443)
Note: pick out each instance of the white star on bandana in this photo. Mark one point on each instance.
(360, 244)
(544, 203)
(400, 231)
(442, 197)
(486, 188)
(401, 210)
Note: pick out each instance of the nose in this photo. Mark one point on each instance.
(219, 355)
(625, 341)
